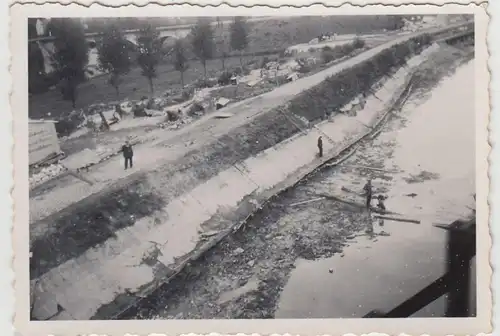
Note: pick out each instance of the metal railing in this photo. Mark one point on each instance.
(455, 283)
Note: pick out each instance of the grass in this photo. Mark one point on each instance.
(264, 36)
(134, 86)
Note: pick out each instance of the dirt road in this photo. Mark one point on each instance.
(169, 146)
(292, 261)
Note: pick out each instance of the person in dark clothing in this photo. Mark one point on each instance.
(320, 146)
(128, 153)
(381, 206)
(368, 193)
(380, 203)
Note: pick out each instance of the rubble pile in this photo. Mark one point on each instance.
(45, 174)
(414, 24)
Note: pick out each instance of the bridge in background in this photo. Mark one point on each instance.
(168, 34)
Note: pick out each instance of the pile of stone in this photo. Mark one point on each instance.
(46, 174)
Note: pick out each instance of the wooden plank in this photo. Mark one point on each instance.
(308, 201)
(358, 205)
(372, 168)
(414, 221)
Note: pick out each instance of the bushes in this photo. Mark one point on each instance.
(241, 71)
(195, 110)
(329, 54)
(338, 90)
(69, 124)
(225, 78)
(303, 66)
(358, 43)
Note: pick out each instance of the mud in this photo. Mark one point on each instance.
(266, 249)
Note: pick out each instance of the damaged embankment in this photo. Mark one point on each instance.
(146, 307)
(243, 275)
(139, 258)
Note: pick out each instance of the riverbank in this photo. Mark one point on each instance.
(244, 275)
(238, 190)
(170, 146)
(136, 243)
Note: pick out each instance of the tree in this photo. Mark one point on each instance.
(221, 44)
(71, 54)
(239, 35)
(398, 22)
(150, 53)
(36, 61)
(180, 58)
(202, 39)
(219, 22)
(36, 69)
(222, 51)
(113, 56)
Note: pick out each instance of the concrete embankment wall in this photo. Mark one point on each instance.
(146, 244)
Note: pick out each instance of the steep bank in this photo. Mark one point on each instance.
(244, 275)
(140, 254)
(167, 147)
(427, 176)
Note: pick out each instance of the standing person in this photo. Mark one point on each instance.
(368, 193)
(320, 146)
(128, 153)
(380, 203)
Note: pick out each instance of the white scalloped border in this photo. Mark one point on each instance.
(265, 327)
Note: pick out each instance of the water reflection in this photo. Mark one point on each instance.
(380, 271)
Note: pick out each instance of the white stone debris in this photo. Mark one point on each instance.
(46, 174)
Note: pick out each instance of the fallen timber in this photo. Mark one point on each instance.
(303, 173)
(301, 176)
(414, 221)
(358, 205)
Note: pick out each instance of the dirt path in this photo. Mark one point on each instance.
(244, 276)
(172, 145)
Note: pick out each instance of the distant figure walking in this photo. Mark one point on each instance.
(128, 154)
(320, 146)
(368, 193)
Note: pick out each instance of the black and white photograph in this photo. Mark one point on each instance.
(252, 167)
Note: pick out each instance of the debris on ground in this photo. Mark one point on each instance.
(421, 177)
(407, 220)
(221, 102)
(46, 174)
(239, 250)
(223, 115)
(308, 201)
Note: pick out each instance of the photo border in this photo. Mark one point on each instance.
(433, 326)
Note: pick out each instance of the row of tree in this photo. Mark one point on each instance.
(117, 55)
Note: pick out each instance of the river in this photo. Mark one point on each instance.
(431, 145)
